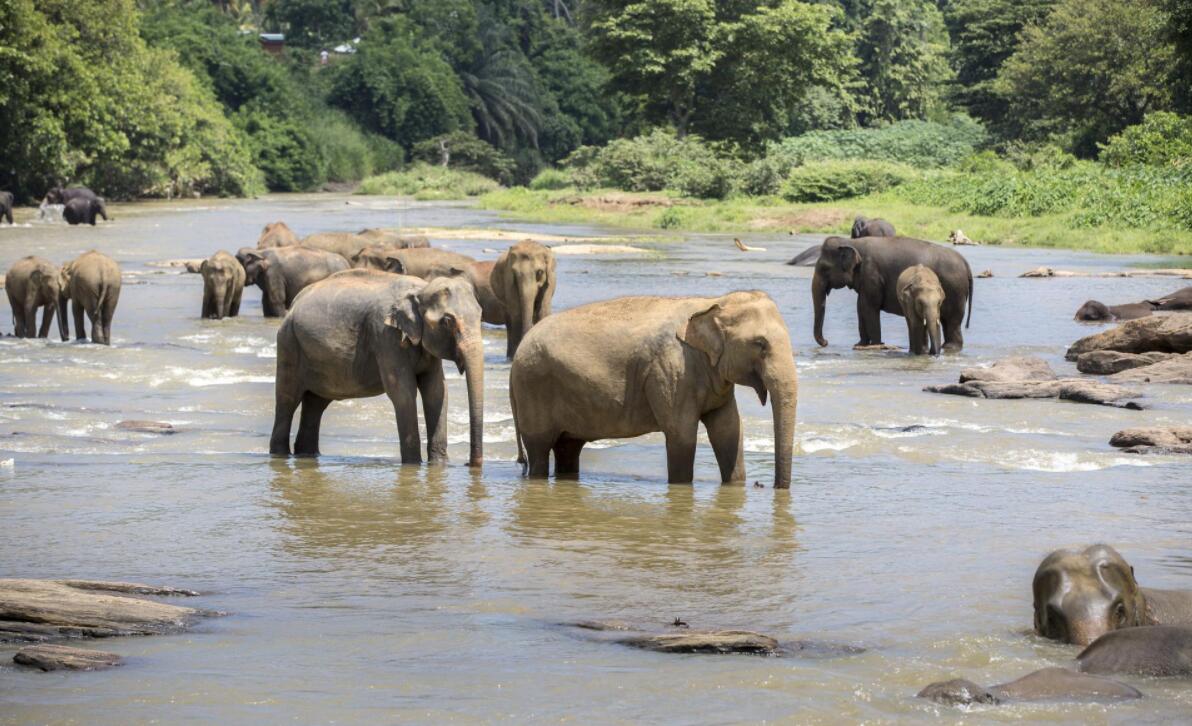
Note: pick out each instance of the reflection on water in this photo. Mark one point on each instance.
(365, 591)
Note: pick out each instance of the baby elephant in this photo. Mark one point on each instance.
(223, 284)
(921, 296)
(32, 283)
(83, 210)
(92, 283)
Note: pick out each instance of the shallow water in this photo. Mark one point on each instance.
(360, 591)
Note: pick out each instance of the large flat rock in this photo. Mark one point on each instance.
(1169, 440)
(1172, 369)
(1162, 333)
(40, 609)
(63, 657)
(1108, 362)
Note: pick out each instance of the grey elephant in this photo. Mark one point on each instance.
(391, 238)
(62, 195)
(429, 263)
(32, 283)
(277, 234)
(1158, 651)
(362, 333)
(282, 273)
(83, 210)
(346, 244)
(863, 227)
(6, 203)
(523, 279)
(872, 265)
(921, 297)
(1179, 300)
(1081, 595)
(1095, 311)
(223, 285)
(636, 365)
(91, 282)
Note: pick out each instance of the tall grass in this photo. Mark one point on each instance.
(423, 181)
(348, 154)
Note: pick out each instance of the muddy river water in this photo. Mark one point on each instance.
(359, 591)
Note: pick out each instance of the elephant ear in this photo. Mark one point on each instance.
(848, 258)
(405, 317)
(702, 331)
(395, 265)
(203, 266)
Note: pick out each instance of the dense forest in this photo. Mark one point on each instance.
(706, 97)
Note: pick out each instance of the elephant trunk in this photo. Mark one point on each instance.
(819, 298)
(472, 355)
(933, 330)
(527, 292)
(63, 326)
(218, 302)
(782, 382)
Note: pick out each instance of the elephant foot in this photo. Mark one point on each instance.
(952, 348)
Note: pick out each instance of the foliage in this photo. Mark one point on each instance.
(313, 24)
(825, 181)
(1162, 139)
(903, 49)
(423, 181)
(1179, 33)
(918, 143)
(654, 162)
(550, 179)
(468, 153)
(1091, 69)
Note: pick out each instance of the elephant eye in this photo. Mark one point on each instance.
(448, 320)
(762, 344)
(1119, 612)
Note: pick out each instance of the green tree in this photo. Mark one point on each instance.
(504, 94)
(312, 24)
(1179, 32)
(903, 49)
(1091, 69)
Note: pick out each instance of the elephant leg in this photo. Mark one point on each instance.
(307, 441)
(207, 299)
(234, 306)
(433, 389)
(18, 320)
(680, 454)
(402, 388)
(869, 322)
(728, 443)
(953, 337)
(567, 450)
(287, 396)
(538, 456)
(80, 329)
(30, 314)
(107, 313)
(47, 319)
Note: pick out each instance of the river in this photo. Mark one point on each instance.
(359, 591)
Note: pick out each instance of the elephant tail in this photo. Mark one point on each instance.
(970, 301)
(521, 452)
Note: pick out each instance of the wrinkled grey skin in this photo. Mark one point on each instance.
(1046, 684)
(345, 244)
(523, 279)
(1081, 595)
(1094, 310)
(277, 234)
(6, 202)
(863, 227)
(32, 283)
(635, 365)
(390, 238)
(806, 258)
(1179, 300)
(62, 195)
(1158, 651)
(921, 296)
(362, 333)
(223, 285)
(81, 210)
(91, 282)
(429, 263)
(871, 266)
(282, 273)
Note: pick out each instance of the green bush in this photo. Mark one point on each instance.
(1162, 139)
(467, 153)
(654, 162)
(424, 181)
(918, 143)
(828, 181)
(763, 177)
(550, 180)
(348, 154)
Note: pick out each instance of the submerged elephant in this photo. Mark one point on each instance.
(32, 283)
(277, 234)
(223, 285)
(921, 296)
(636, 365)
(523, 279)
(863, 227)
(1159, 651)
(1080, 596)
(82, 210)
(872, 265)
(282, 273)
(6, 202)
(1047, 684)
(429, 263)
(91, 282)
(1094, 310)
(362, 333)
(1179, 300)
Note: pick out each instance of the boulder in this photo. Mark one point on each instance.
(1161, 333)
(1172, 440)
(1108, 362)
(1014, 368)
(1172, 369)
(41, 609)
(62, 657)
(958, 692)
(1027, 377)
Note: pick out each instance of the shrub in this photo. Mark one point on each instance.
(551, 179)
(424, 181)
(654, 162)
(831, 180)
(1162, 139)
(468, 153)
(918, 143)
(763, 177)
(348, 154)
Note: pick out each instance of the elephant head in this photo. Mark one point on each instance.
(1080, 596)
(54, 196)
(747, 344)
(277, 234)
(217, 277)
(377, 257)
(254, 262)
(525, 278)
(836, 268)
(444, 318)
(1094, 310)
(859, 224)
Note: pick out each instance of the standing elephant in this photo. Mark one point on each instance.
(863, 227)
(62, 195)
(1080, 596)
(6, 202)
(92, 283)
(32, 283)
(277, 234)
(523, 279)
(429, 263)
(921, 296)
(282, 272)
(223, 285)
(871, 266)
(635, 365)
(82, 210)
(363, 333)
(346, 244)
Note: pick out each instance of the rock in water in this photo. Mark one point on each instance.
(1172, 440)
(62, 657)
(131, 588)
(1108, 362)
(39, 609)
(717, 641)
(957, 692)
(147, 427)
(1172, 369)
(1014, 368)
(1161, 333)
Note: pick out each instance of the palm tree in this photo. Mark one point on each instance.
(502, 90)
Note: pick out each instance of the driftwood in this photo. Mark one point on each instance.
(1163, 272)
(43, 609)
(63, 657)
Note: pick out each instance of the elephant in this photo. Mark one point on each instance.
(1094, 311)
(921, 296)
(223, 285)
(92, 283)
(391, 238)
(346, 244)
(1080, 596)
(32, 283)
(1159, 651)
(1179, 300)
(277, 234)
(361, 333)
(1046, 684)
(82, 210)
(282, 272)
(863, 227)
(429, 263)
(635, 365)
(806, 258)
(871, 266)
(6, 203)
(523, 279)
(62, 195)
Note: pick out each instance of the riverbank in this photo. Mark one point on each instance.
(770, 215)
